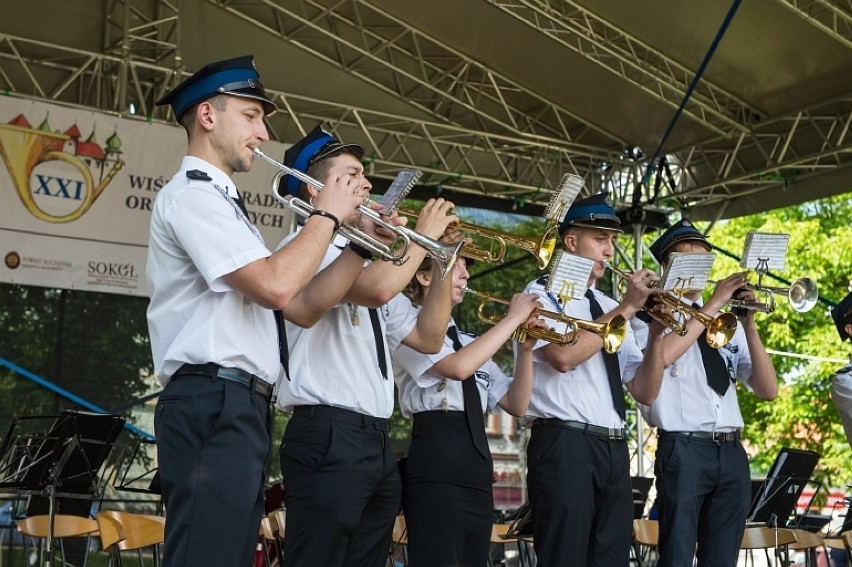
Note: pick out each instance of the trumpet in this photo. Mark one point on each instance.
(444, 254)
(802, 295)
(720, 329)
(612, 332)
(541, 248)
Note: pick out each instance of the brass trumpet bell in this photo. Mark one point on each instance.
(802, 295)
(541, 248)
(720, 329)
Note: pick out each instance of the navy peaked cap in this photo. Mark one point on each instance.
(237, 77)
(842, 315)
(594, 212)
(681, 231)
(318, 144)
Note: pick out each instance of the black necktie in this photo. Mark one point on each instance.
(714, 365)
(241, 204)
(380, 343)
(472, 404)
(283, 347)
(613, 369)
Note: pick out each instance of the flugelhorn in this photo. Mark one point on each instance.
(802, 295)
(612, 332)
(444, 254)
(720, 329)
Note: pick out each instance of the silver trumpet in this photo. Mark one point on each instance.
(444, 254)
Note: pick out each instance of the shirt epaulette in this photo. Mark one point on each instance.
(469, 334)
(543, 279)
(198, 175)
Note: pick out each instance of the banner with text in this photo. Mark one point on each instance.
(76, 189)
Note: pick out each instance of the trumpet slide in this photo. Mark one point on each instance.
(720, 329)
(612, 332)
(396, 251)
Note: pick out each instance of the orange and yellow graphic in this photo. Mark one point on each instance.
(55, 174)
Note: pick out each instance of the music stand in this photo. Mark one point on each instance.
(776, 499)
(68, 457)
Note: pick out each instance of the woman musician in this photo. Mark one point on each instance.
(446, 487)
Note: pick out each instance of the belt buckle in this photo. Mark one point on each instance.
(613, 434)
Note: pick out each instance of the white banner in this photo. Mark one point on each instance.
(76, 190)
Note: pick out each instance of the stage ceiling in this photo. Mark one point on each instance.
(715, 109)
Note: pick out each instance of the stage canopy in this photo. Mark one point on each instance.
(717, 108)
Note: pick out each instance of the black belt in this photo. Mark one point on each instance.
(608, 432)
(714, 436)
(215, 372)
(344, 416)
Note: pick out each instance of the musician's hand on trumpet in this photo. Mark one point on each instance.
(434, 218)
(640, 285)
(726, 289)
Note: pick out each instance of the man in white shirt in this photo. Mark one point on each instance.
(341, 482)
(841, 386)
(701, 469)
(214, 341)
(579, 470)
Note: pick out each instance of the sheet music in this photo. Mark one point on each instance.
(568, 189)
(687, 271)
(398, 189)
(765, 251)
(569, 276)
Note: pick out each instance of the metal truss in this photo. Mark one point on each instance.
(468, 144)
(576, 28)
(834, 18)
(367, 42)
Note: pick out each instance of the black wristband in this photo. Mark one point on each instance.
(328, 215)
(360, 250)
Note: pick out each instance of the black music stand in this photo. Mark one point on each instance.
(775, 501)
(65, 461)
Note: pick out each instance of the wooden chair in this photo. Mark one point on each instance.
(646, 538)
(277, 522)
(500, 535)
(808, 542)
(64, 525)
(399, 541)
(140, 531)
(111, 532)
(765, 538)
(846, 537)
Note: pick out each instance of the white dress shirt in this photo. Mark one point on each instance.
(687, 403)
(581, 394)
(420, 388)
(197, 236)
(335, 362)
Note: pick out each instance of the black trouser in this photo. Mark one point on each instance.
(342, 488)
(703, 495)
(446, 494)
(213, 439)
(581, 499)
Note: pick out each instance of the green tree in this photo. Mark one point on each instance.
(803, 416)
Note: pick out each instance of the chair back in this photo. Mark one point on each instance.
(762, 537)
(64, 525)
(111, 531)
(646, 532)
(140, 530)
(277, 522)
